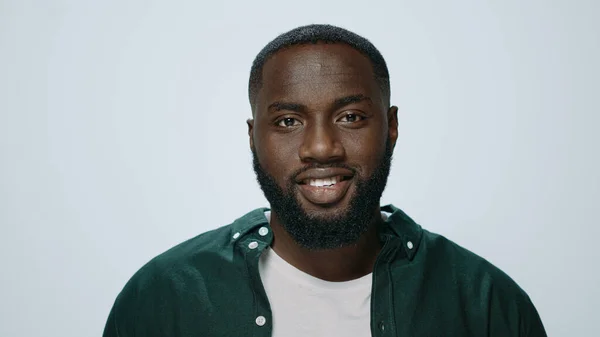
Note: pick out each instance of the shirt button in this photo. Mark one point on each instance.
(253, 245)
(236, 235)
(263, 231)
(409, 244)
(381, 326)
(261, 320)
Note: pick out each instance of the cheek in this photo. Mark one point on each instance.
(366, 150)
(277, 156)
(365, 142)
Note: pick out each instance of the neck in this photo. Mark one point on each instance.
(336, 265)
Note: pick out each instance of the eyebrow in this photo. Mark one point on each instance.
(342, 102)
(337, 104)
(278, 106)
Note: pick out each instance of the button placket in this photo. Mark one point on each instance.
(253, 245)
(383, 320)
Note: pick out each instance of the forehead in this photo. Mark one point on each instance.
(315, 74)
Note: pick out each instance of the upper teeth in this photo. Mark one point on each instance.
(323, 182)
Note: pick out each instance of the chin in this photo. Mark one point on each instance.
(331, 211)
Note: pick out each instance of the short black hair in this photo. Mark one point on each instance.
(312, 34)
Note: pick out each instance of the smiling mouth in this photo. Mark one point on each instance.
(325, 182)
(325, 191)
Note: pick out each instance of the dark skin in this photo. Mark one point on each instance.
(320, 103)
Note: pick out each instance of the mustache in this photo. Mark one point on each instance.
(355, 170)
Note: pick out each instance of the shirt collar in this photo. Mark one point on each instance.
(400, 226)
(249, 223)
(397, 226)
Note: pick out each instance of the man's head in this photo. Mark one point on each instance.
(313, 34)
(323, 133)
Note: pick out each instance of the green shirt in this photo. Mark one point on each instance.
(423, 285)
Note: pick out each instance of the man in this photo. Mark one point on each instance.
(325, 259)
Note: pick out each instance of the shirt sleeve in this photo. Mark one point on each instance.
(111, 329)
(512, 314)
(532, 325)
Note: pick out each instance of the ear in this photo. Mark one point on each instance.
(250, 123)
(392, 117)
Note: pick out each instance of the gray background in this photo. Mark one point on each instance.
(122, 133)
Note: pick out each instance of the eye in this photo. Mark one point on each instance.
(288, 122)
(351, 118)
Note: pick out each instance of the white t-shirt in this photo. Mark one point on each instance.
(303, 305)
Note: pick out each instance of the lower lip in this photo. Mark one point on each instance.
(325, 195)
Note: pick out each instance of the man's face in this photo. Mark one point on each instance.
(322, 141)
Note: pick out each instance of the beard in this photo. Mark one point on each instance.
(338, 228)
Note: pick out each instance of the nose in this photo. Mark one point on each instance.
(321, 144)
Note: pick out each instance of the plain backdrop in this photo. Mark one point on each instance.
(122, 133)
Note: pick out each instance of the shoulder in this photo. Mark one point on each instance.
(168, 274)
(144, 305)
(482, 286)
(184, 279)
(204, 253)
(465, 266)
(193, 254)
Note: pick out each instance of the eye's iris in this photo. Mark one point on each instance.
(288, 121)
(351, 117)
